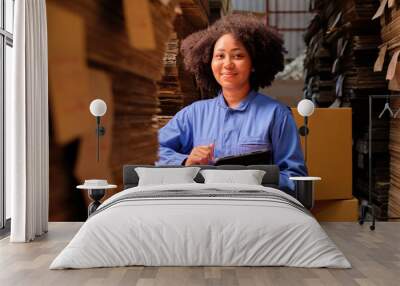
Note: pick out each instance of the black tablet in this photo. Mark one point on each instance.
(262, 157)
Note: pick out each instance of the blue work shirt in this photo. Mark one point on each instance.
(257, 123)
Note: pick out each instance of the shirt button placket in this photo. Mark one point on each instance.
(226, 130)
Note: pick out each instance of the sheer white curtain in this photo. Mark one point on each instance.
(27, 142)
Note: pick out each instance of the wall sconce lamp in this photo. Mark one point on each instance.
(98, 108)
(305, 108)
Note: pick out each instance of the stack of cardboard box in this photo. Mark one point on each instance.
(177, 87)
(111, 50)
(394, 147)
(342, 46)
(388, 14)
(169, 94)
(343, 32)
(329, 156)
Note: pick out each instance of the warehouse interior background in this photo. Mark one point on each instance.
(127, 53)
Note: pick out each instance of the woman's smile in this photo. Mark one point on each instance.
(228, 75)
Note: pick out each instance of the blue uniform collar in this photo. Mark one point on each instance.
(242, 105)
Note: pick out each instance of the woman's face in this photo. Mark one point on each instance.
(231, 63)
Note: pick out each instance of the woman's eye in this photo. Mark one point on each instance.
(238, 56)
(219, 56)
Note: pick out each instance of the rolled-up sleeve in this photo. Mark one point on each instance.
(287, 152)
(175, 139)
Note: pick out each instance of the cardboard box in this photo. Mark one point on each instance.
(336, 210)
(69, 92)
(329, 151)
(139, 24)
(288, 92)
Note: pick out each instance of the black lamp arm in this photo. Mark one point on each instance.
(303, 131)
(100, 131)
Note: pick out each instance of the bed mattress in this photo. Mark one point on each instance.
(201, 225)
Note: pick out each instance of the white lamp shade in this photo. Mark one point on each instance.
(305, 107)
(98, 107)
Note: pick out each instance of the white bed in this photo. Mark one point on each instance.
(184, 230)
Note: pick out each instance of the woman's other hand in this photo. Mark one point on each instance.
(200, 155)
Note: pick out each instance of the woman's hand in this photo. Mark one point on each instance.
(200, 155)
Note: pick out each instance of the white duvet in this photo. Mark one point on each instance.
(200, 231)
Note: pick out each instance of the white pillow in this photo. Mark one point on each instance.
(249, 177)
(166, 176)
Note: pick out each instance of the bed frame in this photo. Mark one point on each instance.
(270, 179)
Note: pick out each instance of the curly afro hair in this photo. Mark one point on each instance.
(264, 45)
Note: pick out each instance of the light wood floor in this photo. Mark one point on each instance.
(375, 256)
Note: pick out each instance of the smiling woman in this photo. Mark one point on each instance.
(234, 58)
(262, 44)
(231, 66)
